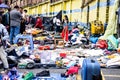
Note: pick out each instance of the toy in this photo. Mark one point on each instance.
(59, 63)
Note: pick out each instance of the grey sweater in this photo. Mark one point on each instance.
(15, 18)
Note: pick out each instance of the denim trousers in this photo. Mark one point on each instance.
(14, 31)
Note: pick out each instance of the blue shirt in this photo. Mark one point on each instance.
(67, 24)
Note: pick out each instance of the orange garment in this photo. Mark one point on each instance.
(65, 32)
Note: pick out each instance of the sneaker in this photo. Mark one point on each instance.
(4, 72)
(66, 45)
(43, 73)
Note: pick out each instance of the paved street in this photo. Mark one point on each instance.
(109, 74)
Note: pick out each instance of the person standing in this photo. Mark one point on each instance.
(1, 11)
(65, 30)
(57, 24)
(23, 21)
(3, 37)
(6, 21)
(15, 20)
(38, 23)
(24, 14)
(65, 21)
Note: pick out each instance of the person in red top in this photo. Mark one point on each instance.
(38, 23)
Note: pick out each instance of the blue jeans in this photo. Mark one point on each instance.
(14, 31)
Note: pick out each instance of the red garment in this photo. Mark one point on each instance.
(73, 70)
(1, 1)
(39, 23)
(102, 44)
(65, 33)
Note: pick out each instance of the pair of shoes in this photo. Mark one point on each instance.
(64, 75)
(43, 73)
(5, 71)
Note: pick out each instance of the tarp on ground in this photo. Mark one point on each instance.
(112, 24)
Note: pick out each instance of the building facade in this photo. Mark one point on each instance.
(81, 11)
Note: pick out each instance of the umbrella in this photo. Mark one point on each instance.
(3, 5)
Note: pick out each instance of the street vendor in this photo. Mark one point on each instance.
(57, 24)
(38, 23)
(3, 38)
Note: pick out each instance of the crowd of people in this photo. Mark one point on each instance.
(14, 21)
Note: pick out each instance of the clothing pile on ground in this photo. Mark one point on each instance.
(42, 53)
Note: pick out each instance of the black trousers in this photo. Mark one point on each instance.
(118, 30)
(22, 27)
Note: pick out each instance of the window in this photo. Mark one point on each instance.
(86, 2)
(40, 1)
(29, 2)
(52, 1)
